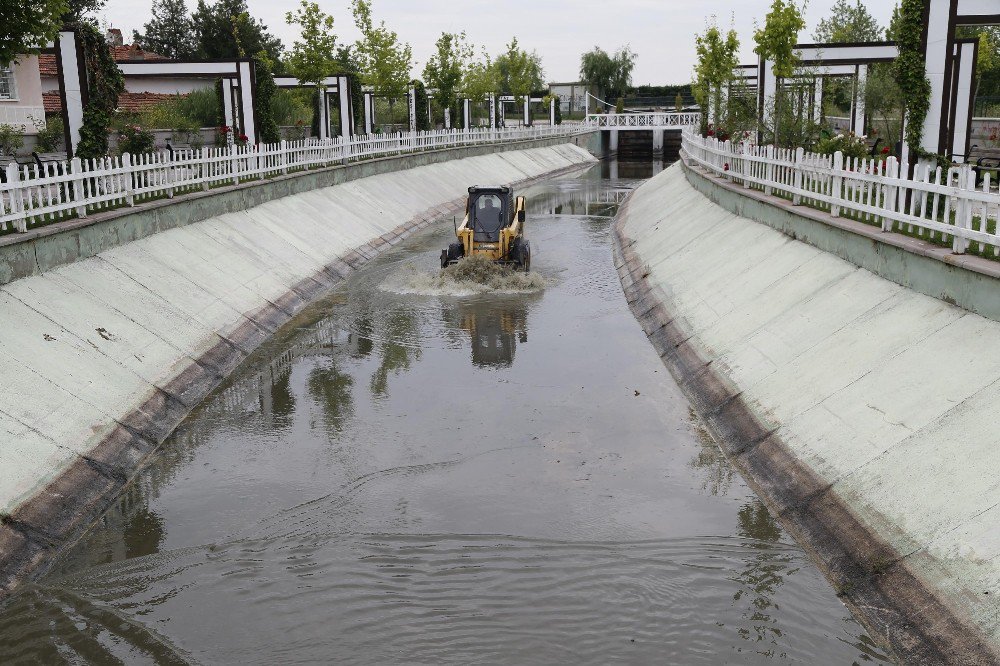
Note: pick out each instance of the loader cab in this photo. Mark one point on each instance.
(490, 210)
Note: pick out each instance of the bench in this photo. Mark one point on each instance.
(983, 160)
(58, 159)
(180, 150)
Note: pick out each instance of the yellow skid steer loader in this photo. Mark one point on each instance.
(493, 228)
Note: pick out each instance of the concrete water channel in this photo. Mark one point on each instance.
(404, 477)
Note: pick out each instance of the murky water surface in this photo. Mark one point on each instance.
(408, 478)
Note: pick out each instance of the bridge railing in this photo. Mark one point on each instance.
(644, 120)
(943, 206)
(31, 196)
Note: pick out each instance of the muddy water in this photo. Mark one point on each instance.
(431, 478)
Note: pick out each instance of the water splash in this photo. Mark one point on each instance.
(470, 276)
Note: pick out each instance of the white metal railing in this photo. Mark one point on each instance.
(645, 120)
(31, 195)
(939, 205)
(27, 116)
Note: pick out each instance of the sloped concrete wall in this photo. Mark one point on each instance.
(863, 411)
(103, 356)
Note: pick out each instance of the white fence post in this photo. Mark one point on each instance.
(769, 169)
(168, 159)
(76, 168)
(127, 177)
(284, 156)
(837, 183)
(963, 209)
(16, 198)
(800, 154)
(234, 164)
(205, 169)
(889, 202)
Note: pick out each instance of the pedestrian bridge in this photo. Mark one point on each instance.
(651, 120)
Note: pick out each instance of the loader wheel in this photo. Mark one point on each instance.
(444, 258)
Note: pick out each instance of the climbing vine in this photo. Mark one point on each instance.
(268, 129)
(420, 105)
(104, 84)
(910, 72)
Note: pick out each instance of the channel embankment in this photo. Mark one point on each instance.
(115, 328)
(862, 410)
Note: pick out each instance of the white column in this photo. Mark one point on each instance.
(324, 120)
(412, 94)
(961, 124)
(858, 103)
(247, 115)
(767, 89)
(614, 141)
(344, 94)
(467, 113)
(447, 118)
(552, 110)
(936, 58)
(71, 83)
(818, 100)
(526, 121)
(369, 103)
(493, 111)
(657, 142)
(228, 110)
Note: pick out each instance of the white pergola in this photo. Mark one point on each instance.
(238, 110)
(337, 87)
(950, 64)
(526, 110)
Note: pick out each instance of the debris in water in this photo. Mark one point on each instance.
(472, 275)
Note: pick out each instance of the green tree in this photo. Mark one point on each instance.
(312, 58)
(226, 30)
(264, 97)
(480, 79)
(385, 62)
(170, 31)
(27, 26)
(446, 66)
(718, 56)
(776, 40)
(848, 23)
(610, 74)
(347, 63)
(519, 72)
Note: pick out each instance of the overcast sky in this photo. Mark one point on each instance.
(661, 32)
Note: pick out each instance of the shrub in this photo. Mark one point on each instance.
(49, 136)
(11, 139)
(850, 144)
(135, 140)
(620, 105)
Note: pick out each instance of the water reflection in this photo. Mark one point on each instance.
(494, 327)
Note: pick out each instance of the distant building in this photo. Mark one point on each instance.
(21, 95)
(572, 96)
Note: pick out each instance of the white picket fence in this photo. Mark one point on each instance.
(32, 196)
(944, 206)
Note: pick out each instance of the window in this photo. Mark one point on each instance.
(8, 89)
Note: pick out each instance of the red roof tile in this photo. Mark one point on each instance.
(47, 61)
(129, 102)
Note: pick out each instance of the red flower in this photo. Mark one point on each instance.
(885, 150)
(711, 132)
(243, 137)
(725, 167)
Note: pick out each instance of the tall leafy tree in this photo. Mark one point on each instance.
(610, 74)
(777, 38)
(718, 56)
(518, 71)
(170, 32)
(385, 61)
(444, 69)
(225, 29)
(313, 57)
(27, 26)
(848, 23)
(480, 78)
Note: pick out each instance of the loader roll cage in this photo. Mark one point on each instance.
(490, 210)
